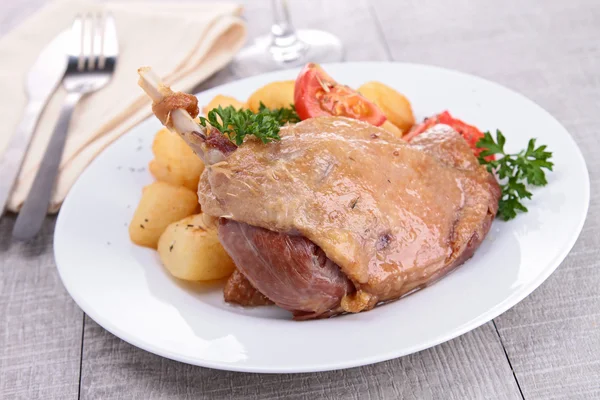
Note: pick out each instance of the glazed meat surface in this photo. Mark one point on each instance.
(391, 216)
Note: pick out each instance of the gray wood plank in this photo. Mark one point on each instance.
(472, 366)
(548, 51)
(553, 337)
(40, 335)
(41, 327)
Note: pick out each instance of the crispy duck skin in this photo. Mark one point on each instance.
(391, 217)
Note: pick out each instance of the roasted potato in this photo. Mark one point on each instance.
(223, 101)
(391, 128)
(160, 205)
(394, 105)
(174, 162)
(190, 250)
(273, 95)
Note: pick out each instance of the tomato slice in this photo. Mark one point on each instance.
(470, 133)
(317, 94)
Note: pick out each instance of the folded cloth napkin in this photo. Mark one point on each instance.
(184, 42)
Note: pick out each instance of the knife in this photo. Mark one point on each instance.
(43, 78)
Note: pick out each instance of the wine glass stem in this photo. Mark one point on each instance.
(285, 45)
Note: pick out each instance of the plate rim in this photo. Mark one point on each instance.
(509, 302)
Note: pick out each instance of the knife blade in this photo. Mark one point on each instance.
(43, 78)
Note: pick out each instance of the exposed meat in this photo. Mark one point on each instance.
(216, 147)
(290, 270)
(216, 140)
(239, 290)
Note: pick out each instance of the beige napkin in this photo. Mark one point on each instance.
(183, 42)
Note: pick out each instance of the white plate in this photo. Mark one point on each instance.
(125, 289)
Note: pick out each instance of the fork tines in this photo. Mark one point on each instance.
(94, 44)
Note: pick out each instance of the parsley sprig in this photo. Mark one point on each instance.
(283, 115)
(237, 124)
(514, 171)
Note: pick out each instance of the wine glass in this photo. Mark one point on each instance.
(286, 47)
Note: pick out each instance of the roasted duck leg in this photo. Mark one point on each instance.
(339, 215)
(315, 284)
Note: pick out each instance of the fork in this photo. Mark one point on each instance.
(93, 53)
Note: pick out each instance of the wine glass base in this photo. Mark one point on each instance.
(314, 46)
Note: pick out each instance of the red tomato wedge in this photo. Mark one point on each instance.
(317, 94)
(470, 133)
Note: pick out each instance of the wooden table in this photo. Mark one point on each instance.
(546, 347)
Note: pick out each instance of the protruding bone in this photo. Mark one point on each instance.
(180, 121)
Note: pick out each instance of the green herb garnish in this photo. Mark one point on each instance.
(283, 115)
(514, 170)
(237, 124)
